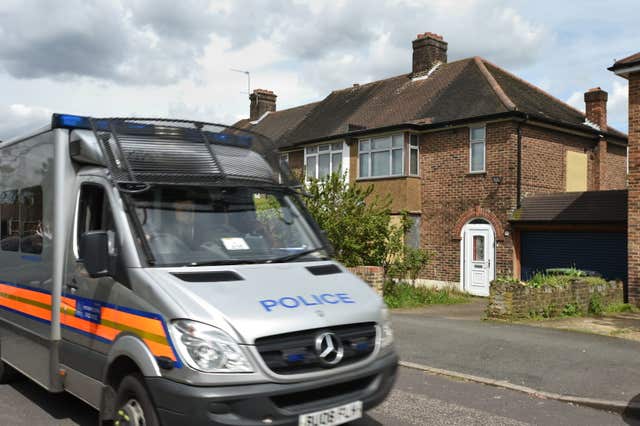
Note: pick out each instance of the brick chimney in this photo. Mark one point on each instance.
(261, 102)
(596, 106)
(428, 50)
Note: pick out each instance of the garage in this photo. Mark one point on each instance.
(586, 230)
(602, 252)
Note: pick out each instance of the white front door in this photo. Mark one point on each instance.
(479, 258)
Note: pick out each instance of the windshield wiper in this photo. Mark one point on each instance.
(294, 256)
(225, 262)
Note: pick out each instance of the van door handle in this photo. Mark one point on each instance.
(72, 286)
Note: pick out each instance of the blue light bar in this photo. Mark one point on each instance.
(68, 121)
(230, 139)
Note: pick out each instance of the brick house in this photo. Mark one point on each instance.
(456, 144)
(629, 68)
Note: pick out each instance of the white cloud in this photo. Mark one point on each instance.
(618, 103)
(17, 119)
(576, 100)
(159, 57)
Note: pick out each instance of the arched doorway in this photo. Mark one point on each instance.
(478, 256)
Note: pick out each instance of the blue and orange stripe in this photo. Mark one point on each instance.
(114, 320)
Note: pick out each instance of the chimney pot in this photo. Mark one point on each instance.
(595, 100)
(261, 101)
(429, 49)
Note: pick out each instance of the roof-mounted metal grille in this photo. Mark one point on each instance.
(140, 150)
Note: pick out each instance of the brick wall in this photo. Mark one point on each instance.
(372, 275)
(615, 170)
(449, 191)
(544, 160)
(511, 300)
(634, 189)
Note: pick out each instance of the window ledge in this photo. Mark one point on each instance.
(365, 179)
(477, 173)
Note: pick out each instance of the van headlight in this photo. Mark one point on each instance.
(386, 338)
(209, 349)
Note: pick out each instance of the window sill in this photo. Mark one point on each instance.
(365, 179)
(477, 173)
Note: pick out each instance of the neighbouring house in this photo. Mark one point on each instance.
(629, 68)
(456, 144)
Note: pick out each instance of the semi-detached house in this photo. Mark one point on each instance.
(456, 144)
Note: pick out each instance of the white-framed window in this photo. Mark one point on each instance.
(381, 156)
(324, 159)
(414, 155)
(477, 149)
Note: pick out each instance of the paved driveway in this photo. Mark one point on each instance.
(558, 361)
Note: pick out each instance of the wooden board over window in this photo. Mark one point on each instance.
(576, 171)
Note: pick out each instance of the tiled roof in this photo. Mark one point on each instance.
(464, 89)
(276, 124)
(574, 207)
(626, 62)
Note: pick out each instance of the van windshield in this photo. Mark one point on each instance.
(224, 225)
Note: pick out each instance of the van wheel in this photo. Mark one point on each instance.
(7, 373)
(133, 404)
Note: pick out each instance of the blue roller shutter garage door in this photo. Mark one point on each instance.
(604, 252)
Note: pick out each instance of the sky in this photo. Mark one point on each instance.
(167, 58)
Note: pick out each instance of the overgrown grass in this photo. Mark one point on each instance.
(540, 279)
(616, 308)
(404, 295)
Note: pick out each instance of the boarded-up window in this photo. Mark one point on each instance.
(576, 171)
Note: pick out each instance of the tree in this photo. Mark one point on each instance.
(356, 222)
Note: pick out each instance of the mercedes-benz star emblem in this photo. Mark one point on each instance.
(329, 348)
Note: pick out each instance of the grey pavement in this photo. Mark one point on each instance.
(423, 399)
(418, 399)
(558, 361)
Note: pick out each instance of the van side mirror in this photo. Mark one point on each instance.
(94, 253)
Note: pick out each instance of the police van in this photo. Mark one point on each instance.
(167, 272)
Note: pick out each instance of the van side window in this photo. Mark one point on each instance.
(31, 220)
(94, 211)
(9, 220)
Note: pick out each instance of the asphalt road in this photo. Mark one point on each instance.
(418, 399)
(550, 360)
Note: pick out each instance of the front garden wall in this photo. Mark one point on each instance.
(514, 300)
(372, 275)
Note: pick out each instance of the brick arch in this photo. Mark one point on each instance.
(478, 213)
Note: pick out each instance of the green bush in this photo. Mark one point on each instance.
(541, 279)
(356, 223)
(502, 279)
(570, 310)
(404, 295)
(595, 305)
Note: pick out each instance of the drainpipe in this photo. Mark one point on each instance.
(519, 163)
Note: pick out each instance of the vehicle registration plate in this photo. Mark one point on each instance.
(332, 416)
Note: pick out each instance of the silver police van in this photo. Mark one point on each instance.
(167, 272)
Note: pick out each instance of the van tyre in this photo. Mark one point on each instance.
(8, 374)
(133, 405)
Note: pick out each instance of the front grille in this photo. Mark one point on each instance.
(294, 353)
(292, 401)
